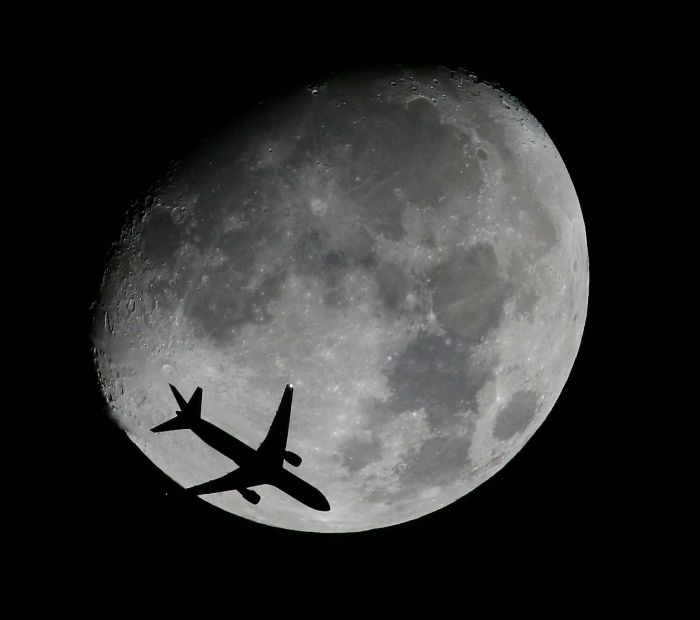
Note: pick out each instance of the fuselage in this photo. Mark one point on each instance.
(240, 453)
(261, 469)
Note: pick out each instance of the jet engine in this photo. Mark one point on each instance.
(251, 496)
(293, 459)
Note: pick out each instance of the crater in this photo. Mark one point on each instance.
(318, 207)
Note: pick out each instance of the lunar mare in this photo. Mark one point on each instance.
(406, 248)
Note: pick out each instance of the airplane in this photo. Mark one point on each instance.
(255, 467)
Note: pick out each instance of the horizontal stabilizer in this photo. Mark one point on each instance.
(190, 412)
(176, 424)
(192, 407)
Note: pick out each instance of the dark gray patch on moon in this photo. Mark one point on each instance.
(431, 151)
(469, 292)
(544, 227)
(318, 250)
(358, 452)
(224, 303)
(436, 373)
(434, 157)
(309, 251)
(393, 286)
(539, 225)
(438, 462)
(161, 236)
(334, 294)
(238, 245)
(516, 415)
(525, 303)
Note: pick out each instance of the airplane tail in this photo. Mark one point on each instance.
(189, 412)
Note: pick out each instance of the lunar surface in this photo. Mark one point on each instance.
(405, 247)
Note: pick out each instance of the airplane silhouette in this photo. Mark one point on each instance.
(255, 467)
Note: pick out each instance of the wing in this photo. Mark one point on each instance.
(276, 441)
(238, 479)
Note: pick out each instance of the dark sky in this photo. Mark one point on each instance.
(139, 101)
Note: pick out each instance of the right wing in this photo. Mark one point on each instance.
(238, 479)
(275, 443)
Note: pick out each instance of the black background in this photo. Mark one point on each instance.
(136, 99)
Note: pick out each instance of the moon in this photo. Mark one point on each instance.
(405, 246)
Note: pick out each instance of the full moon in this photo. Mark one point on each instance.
(405, 247)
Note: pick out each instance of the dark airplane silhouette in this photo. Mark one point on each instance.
(255, 467)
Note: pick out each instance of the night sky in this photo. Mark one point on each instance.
(140, 102)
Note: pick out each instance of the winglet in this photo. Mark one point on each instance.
(275, 441)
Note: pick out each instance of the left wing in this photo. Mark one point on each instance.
(276, 441)
(234, 481)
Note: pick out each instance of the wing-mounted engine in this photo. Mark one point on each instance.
(293, 459)
(251, 496)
